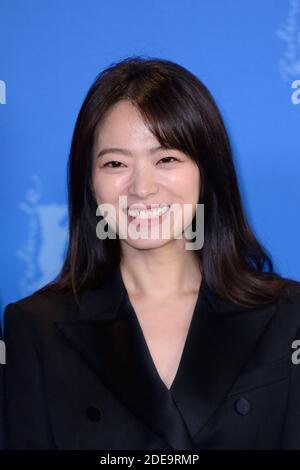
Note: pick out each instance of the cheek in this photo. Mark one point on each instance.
(195, 182)
(195, 187)
(106, 189)
(187, 185)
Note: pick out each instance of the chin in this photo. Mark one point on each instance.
(144, 244)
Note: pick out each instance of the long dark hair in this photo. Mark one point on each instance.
(181, 113)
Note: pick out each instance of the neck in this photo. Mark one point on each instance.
(160, 273)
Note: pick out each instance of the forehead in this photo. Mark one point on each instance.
(123, 124)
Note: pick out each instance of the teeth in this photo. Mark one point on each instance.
(146, 214)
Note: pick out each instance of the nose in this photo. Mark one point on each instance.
(143, 183)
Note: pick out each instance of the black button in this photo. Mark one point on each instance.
(242, 406)
(93, 413)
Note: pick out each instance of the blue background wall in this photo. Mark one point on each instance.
(247, 53)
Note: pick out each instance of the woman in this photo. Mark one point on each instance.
(143, 342)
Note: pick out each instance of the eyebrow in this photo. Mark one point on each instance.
(151, 150)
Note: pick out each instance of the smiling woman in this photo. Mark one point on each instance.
(141, 342)
(153, 178)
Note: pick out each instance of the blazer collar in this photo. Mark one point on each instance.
(220, 339)
(103, 302)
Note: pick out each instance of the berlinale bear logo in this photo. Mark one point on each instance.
(2, 92)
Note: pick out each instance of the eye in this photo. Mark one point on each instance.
(112, 161)
(165, 158)
(116, 164)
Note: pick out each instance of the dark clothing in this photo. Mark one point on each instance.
(83, 378)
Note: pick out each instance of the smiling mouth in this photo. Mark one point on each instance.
(147, 213)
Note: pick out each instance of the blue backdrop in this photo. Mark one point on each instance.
(247, 53)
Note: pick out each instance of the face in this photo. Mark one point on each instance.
(143, 174)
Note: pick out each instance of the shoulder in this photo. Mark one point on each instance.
(286, 321)
(40, 308)
(289, 299)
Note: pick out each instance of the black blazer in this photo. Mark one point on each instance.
(83, 378)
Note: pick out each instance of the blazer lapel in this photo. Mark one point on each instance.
(110, 340)
(220, 339)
